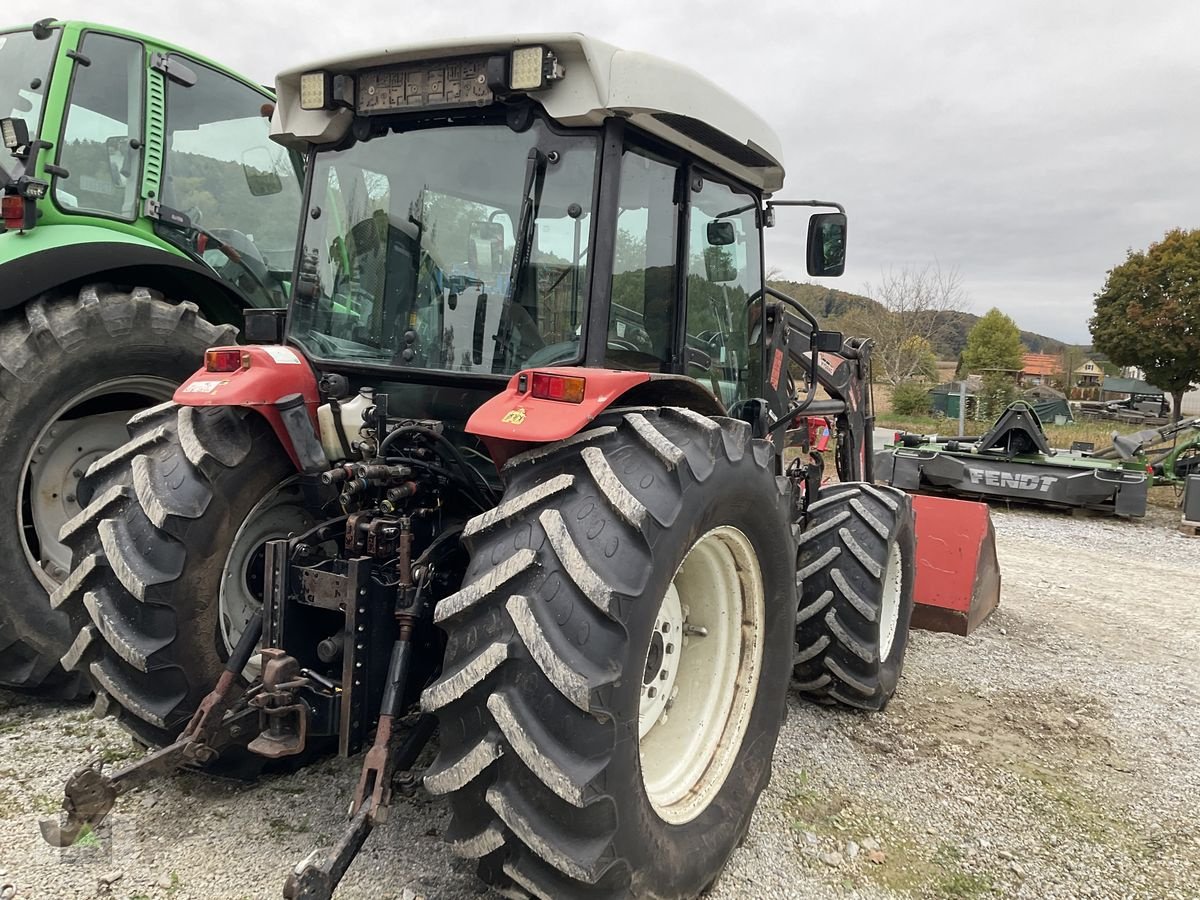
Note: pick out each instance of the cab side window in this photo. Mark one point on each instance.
(100, 145)
(642, 321)
(723, 275)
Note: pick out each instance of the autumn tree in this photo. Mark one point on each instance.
(916, 308)
(994, 349)
(1148, 314)
(993, 344)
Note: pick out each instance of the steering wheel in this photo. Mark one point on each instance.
(248, 258)
(706, 367)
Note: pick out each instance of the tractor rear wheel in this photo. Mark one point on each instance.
(72, 370)
(856, 565)
(168, 559)
(617, 660)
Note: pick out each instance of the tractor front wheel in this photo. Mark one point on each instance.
(617, 660)
(857, 563)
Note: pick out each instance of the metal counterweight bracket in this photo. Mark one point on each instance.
(316, 877)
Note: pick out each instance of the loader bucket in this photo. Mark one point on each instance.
(958, 577)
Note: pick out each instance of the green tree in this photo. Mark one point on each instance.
(1148, 314)
(994, 343)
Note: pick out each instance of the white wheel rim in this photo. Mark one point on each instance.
(889, 607)
(57, 461)
(691, 728)
(277, 515)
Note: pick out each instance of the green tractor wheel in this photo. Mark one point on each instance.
(73, 369)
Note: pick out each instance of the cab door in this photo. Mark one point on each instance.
(239, 192)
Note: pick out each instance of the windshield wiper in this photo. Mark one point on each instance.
(531, 201)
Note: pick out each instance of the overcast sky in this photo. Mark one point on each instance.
(1027, 144)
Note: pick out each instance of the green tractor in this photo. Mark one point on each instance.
(145, 210)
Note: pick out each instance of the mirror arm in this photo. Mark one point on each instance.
(771, 204)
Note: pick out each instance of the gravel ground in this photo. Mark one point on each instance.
(1054, 753)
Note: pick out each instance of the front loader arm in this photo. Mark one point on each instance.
(845, 376)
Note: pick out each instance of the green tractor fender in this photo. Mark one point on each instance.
(66, 256)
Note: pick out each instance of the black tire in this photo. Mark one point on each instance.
(148, 555)
(51, 350)
(842, 570)
(538, 700)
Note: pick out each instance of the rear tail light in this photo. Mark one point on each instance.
(12, 208)
(226, 359)
(567, 388)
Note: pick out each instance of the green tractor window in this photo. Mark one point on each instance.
(224, 173)
(102, 136)
(24, 62)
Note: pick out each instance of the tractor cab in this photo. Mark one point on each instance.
(125, 137)
(479, 210)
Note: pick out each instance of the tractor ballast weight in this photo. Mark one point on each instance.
(533, 494)
(958, 574)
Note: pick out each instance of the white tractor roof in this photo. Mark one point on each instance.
(674, 103)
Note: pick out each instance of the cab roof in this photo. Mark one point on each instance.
(670, 101)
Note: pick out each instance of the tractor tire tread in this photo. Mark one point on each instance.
(35, 339)
(842, 562)
(534, 638)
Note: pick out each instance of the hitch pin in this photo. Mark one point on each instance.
(321, 680)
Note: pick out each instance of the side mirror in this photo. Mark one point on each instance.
(827, 245)
(120, 158)
(721, 234)
(485, 247)
(828, 341)
(259, 170)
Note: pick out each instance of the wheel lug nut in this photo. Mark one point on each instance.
(670, 648)
(662, 676)
(652, 692)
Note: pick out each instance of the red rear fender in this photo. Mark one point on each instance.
(515, 419)
(268, 374)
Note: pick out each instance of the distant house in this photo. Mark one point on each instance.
(1039, 368)
(1089, 374)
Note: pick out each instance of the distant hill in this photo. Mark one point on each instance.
(831, 306)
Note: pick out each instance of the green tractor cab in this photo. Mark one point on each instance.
(144, 211)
